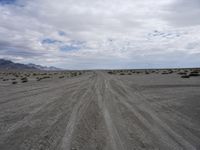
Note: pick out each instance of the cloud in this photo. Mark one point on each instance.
(184, 13)
(100, 34)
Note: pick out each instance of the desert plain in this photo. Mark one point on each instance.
(100, 110)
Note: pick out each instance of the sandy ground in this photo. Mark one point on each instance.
(101, 111)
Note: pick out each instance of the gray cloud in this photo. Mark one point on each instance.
(184, 13)
(116, 34)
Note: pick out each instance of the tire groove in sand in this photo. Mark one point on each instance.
(100, 110)
(167, 136)
(74, 117)
(38, 93)
(115, 140)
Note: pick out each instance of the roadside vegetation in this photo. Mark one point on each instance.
(183, 73)
(16, 77)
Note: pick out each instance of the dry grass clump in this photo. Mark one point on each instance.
(188, 74)
(14, 82)
(73, 74)
(110, 72)
(194, 73)
(164, 72)
(185, 76)
(182, 73)
(170, 71)
(41, 78)
(5, 79)
(35, 74)
(24, 79)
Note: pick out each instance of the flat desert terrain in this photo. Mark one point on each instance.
(99, 110)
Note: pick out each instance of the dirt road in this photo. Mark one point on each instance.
(103, 112)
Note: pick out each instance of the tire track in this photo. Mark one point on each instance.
(167, 136)
(75, 116)
(115, 140)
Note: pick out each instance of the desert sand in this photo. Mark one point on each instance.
(97, 110)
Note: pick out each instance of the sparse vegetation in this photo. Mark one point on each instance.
(164, 72)
(61, 77)
(14, 82)
(41, 78)
(73, 74)
(194, 73)
(110, 72)
(188, 74)
(185, 76)
(5, 79)
(24, 79)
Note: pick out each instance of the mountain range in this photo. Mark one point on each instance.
(7, 64)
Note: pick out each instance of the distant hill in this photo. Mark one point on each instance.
(7, 64)
(43, 67)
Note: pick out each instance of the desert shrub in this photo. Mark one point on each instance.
(35, 74)
(24, 79)
(170, 71)
(110, 72)
(5, 79)
(122, 73)
(43, 74)
(129, 73)
(16, 76)
(41, 78)
(61, 77)
(194, 71)
(164, 73)
(73, 74)
(194, 74)
(14, 82)
(38, 79)
(182, 73)
(185, 76)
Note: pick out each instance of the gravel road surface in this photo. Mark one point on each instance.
(98, 111)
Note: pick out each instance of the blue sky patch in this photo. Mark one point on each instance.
(4, 2)
(50, 41)
(62, 33)
(72, 45)
(67, 48)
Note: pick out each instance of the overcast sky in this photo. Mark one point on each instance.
(88, 34)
